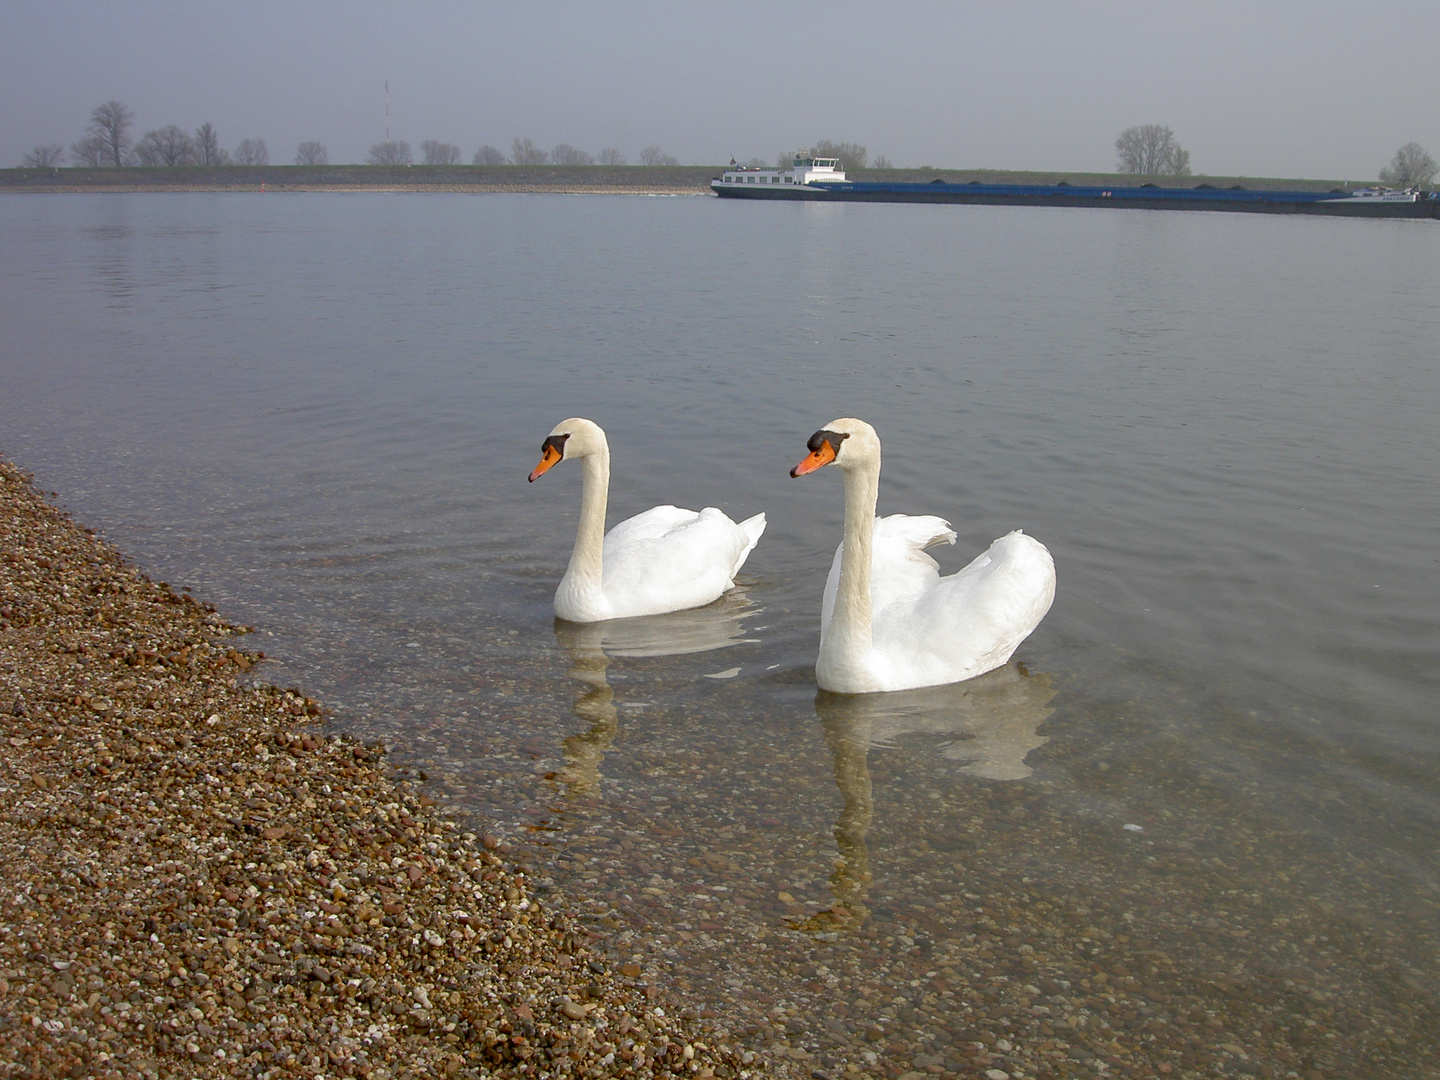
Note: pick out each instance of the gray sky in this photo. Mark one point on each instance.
(1260, 88)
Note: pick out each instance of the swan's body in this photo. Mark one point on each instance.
(889, 621)
(666, 559)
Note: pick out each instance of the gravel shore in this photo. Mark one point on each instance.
(200, 882)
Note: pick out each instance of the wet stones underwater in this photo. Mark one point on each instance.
(905, 923)
(909, 924)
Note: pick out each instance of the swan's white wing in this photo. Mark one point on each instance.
(899, 567)
(668, 559)
(649, 525)
(971, 621)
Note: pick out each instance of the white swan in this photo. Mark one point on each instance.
(889, 621)
(666, 559)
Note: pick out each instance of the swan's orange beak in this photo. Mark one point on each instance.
(819, 458)
(548, 460)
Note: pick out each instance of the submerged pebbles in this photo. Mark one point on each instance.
(198, 881)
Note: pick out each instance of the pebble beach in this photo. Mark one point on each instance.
(200, 881)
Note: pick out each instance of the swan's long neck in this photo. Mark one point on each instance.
(850, 623)
(586, 562)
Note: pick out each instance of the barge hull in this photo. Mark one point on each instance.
(1227, 200)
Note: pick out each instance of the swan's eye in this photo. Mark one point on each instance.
(556, 443)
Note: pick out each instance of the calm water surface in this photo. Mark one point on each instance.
(1212, 775)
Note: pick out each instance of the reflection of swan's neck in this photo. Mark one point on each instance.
(848, 733)
(586, 563)
(585, 750)
(852, 871)
(588, 665)
(849, 629)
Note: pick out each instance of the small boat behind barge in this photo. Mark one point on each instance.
(822, 180)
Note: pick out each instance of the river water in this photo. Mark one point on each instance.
(1191, 828)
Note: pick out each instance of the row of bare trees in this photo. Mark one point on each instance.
(1144, 150)
(107, 141)
(1151, 150)
(522, 152)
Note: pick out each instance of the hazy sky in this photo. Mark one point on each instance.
(1259, 88)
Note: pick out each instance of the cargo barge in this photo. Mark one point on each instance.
(822, 180)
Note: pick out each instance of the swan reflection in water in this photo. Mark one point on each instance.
(994, 720)
(591, 646)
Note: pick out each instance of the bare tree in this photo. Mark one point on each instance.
(651, 155)
(524, 152)
(488, 155)
(565, 154)
(312, 153)
(43, 157)
(170, 146)
(110, 129)
(89, 152)
(435, 152)
(851, 155)
(881, 162)
(207, 147)
(252, 152)
(390, 153)
(1151, 150)
(1410, 167)
(611, 156)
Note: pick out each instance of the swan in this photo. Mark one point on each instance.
(889, 621)
(666, 559)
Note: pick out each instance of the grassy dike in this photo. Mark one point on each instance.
(659, 180)
(626, 179)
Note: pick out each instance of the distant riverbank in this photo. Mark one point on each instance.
(648, 180)
(559, 179)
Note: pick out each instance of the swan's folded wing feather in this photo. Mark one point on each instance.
(917, 531)
(899, 568)
(752, 527)
(668, 559)
(973, 620)
(649, 525)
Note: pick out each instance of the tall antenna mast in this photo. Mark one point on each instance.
(387, 110)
